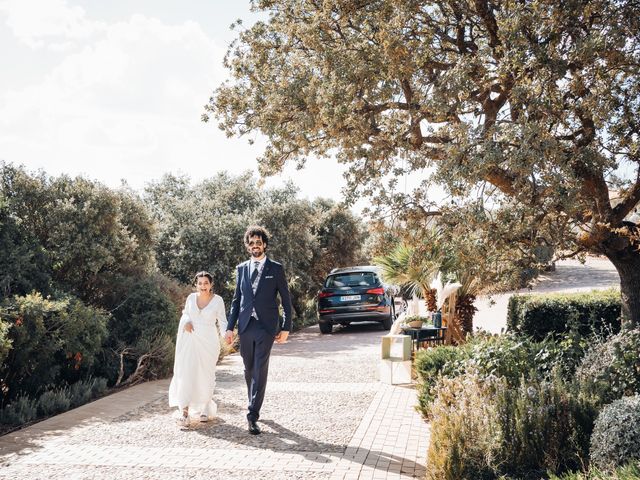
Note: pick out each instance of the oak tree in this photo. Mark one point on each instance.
(529, 105)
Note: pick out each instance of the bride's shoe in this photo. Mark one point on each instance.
(204, 418)
(183, 421)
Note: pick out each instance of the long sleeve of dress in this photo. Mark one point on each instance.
(184, 318)
(222, 317)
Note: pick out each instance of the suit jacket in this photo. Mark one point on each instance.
(272, 282)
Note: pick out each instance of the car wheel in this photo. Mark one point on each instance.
(326, 327)
(387, 322)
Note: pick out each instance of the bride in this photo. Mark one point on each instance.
(197, 349)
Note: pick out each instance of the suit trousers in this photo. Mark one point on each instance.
(255, 350)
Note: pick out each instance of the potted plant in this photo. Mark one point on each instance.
(415, 321)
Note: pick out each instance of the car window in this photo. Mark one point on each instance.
(353, 279)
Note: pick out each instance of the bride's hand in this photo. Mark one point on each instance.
(188, 327)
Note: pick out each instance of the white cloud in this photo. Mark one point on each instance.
(37, 22)
(132, 95)
(124, 102)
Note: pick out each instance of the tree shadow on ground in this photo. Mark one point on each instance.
(278, 438)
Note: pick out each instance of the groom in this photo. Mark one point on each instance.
(255, 309)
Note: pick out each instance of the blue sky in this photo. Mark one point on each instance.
(114, 90)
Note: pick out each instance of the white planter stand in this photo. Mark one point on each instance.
(395, 362)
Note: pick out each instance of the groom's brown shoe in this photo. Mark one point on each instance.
(254, 429)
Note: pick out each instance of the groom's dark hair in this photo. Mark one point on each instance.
(256, 231)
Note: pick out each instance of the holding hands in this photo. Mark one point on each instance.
(282, 336)
(188, 327)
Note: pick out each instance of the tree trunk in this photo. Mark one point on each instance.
(465, 310)
(627, 263)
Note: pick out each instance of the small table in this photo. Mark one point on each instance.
(425, 334)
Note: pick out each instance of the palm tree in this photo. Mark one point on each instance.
(414, 265)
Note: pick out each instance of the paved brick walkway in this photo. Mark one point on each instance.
(364, 429)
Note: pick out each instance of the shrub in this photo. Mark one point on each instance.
(53, 401)
(506, 356)
(482, 427)
(84, 390)
(543, 428)
(611, 368)
(463, 429)
(20, 411)
(98, 387)
(53, 341)
(563, 354)
(430, 365)
(5, 341)
(616, 434)
(143, 316)
(630, 471)
(538, 316)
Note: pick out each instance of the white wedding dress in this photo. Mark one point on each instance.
(194, 368)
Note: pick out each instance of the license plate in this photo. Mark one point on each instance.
(349, 298)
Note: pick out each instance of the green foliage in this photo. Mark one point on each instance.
(616, 434)
(498, 102)
(23, 265)
(144, 312)
(52, 340)
(53, 401)
(21, 410)
(79, 232)
(82, 391)
(5, 341)
(556, 314)
(202, 226)
(611, 368)
(482, 427)
(415, 262)
(543, 428)
(505, 356)
(463, 429)
(631, 471)
(431, 365)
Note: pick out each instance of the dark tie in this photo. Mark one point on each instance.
(254, 275)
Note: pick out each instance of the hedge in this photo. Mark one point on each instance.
(539, 315)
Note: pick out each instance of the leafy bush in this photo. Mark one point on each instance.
(53, 401)
(482, 427)
(143, 312)
(616, 434)
(611, 368)
(430, 365)
(507, 356)
(630, 471)
(5, 341)
(20, 411)
(563, 354)
(543, 427)
(52, 341)
(463, 428)
(538, 316)
(84, 390)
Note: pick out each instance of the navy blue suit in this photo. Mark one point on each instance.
(258, 334)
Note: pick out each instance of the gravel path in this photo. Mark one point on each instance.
(325, 416)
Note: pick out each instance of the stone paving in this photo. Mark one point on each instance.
(326, 416)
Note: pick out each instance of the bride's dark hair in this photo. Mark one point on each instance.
(201, 275)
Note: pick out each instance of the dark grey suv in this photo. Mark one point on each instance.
(355, 294)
